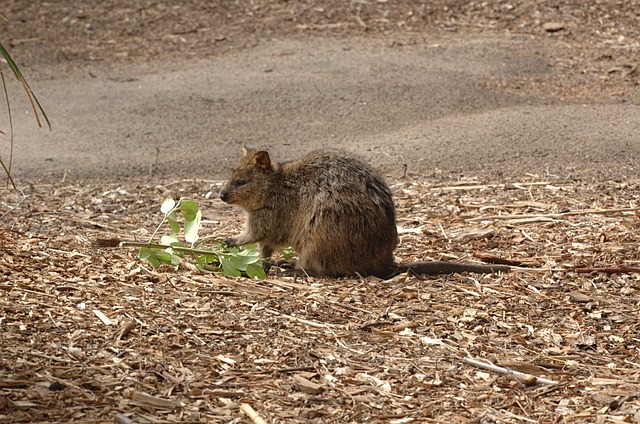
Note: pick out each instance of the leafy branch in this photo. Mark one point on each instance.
(172, 250)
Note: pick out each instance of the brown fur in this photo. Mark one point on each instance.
(333, 209)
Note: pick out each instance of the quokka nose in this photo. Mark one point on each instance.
(224, 195)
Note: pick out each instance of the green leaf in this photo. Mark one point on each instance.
(191, 228)
(250, 253)
(242, 261)
(288, 253)
(146, 254)
(209, 260)
(189, 209)
(256, 271)
(157, 257)
(175, 260)
(167, 205)
(166, 257)
(247, 257)
(228, 268)
(174, 225)
(238, 262)
(170, 239)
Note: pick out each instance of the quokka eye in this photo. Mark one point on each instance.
(240, 183)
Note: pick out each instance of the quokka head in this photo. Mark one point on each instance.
(249, 181)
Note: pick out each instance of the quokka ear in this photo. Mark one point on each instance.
(261, 160)
(246, 151)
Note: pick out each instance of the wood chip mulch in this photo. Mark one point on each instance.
(95, 335)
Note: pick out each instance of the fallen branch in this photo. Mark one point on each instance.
(554, 215)
(526, 379)
(139, 245)
(252, 414)
(147, 400)
(301, 320)
(608, 270)
(483, 186)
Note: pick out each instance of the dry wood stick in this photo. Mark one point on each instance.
(520, 375)
(479, 186)
(51, 358)
(586, 270)
(155, 401)
(608, 270)
(301, 320)
(244, 287)
(554, 215)
(67, 217)
(252, 414)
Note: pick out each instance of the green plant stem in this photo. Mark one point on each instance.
(166, 216)
(7, 170)
(165, 246)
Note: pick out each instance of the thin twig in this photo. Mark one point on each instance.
(301, 320)
(252, 414)
(554, 215)
(608, 270)
(242, 287)
(12, 208)
(531, 379)
(481, 186)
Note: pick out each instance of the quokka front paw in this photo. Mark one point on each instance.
(231, 241)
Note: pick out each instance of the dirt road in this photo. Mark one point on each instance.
(461, 103)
